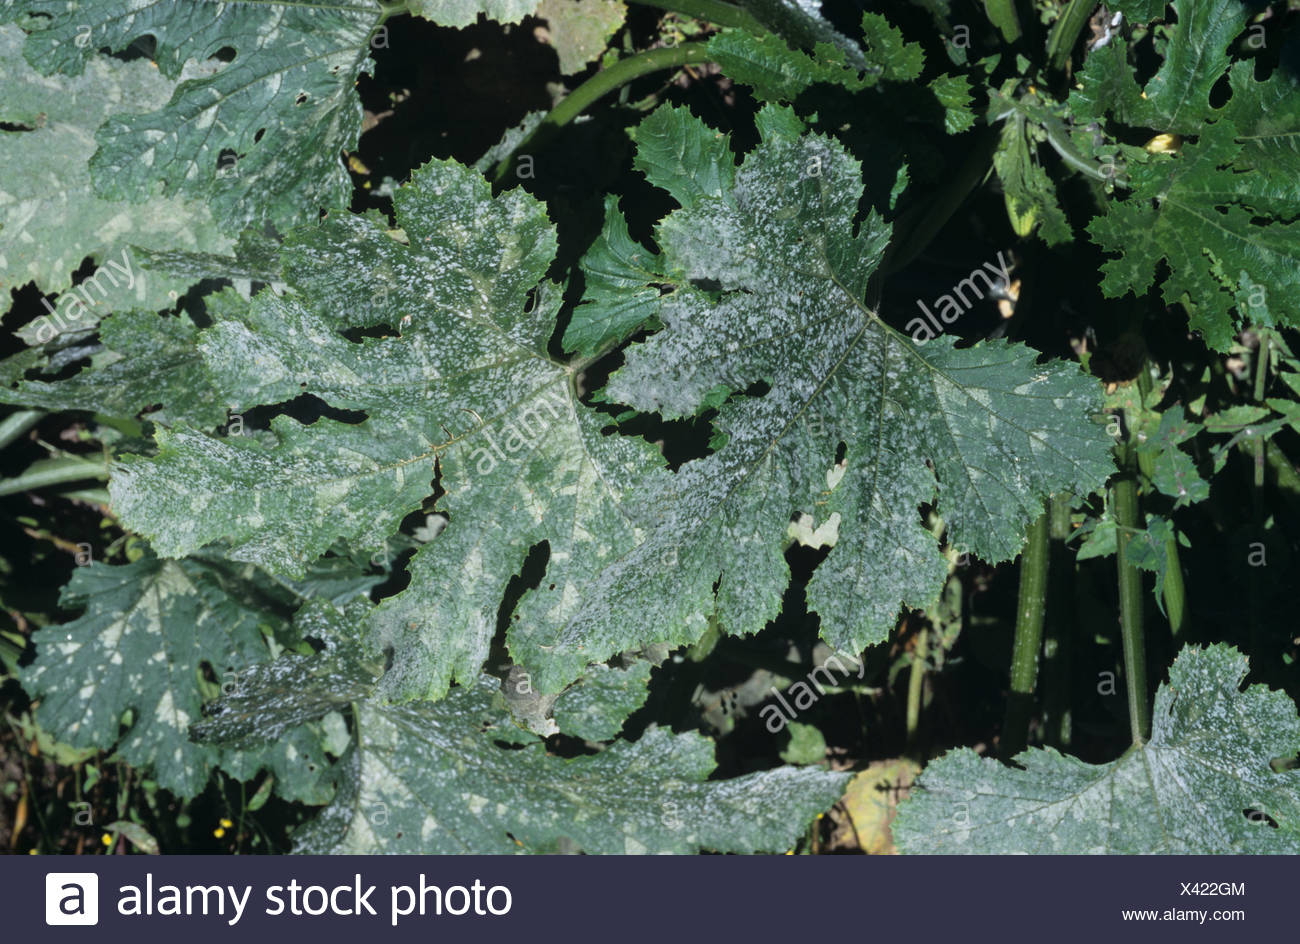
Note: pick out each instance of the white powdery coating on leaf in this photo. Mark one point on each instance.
(1187, 791)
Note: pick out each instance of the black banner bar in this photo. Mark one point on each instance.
(629, 899)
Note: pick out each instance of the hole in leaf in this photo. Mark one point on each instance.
(1259, 816)
(707, 285)
(399, 578)
(306, 409)
(565, 745)
(529, 578)
(302, 97)
(1221, 92)
(680, 441)
(357, 335)
(258, 136)
(143, 47)
(225, 54)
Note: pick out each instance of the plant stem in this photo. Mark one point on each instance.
(1260, 449)
(916, 685)
(91, 496)
(1285, 477)
(714, 11)
(598, 86)
(54, 472)
(15, 424)
(1065, 32)
(390, 10)
(1174, 592)
(1059, 630)
(1125, 497)
(1034, 564)
(1261, 365)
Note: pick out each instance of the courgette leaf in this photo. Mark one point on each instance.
(150, 632)
(634, 555)
(1202, 785)
(255, 133)
(50, 217)
(430, 778)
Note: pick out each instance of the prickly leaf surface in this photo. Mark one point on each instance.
(430, 778)
(1202, 785)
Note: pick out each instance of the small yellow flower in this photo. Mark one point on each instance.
(218, 832)
(32, 852)
(106, 839)
(225, 823)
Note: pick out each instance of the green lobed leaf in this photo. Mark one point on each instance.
(1176, 100)
(900, 61)
(1211, 225)
(580, 30)
(598, 703)
(465, 12)
(429, 778)
(257, 138)
(1175, 471)
(271, 698)
(1202, 785)
(468, 381)
(999, 429)
(148, 362)
(1267, 118)
(620, 291)
(1220, 213)
(779, 73)
(51, 219)
(634, 556)
(147, 632)
(954, 94)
